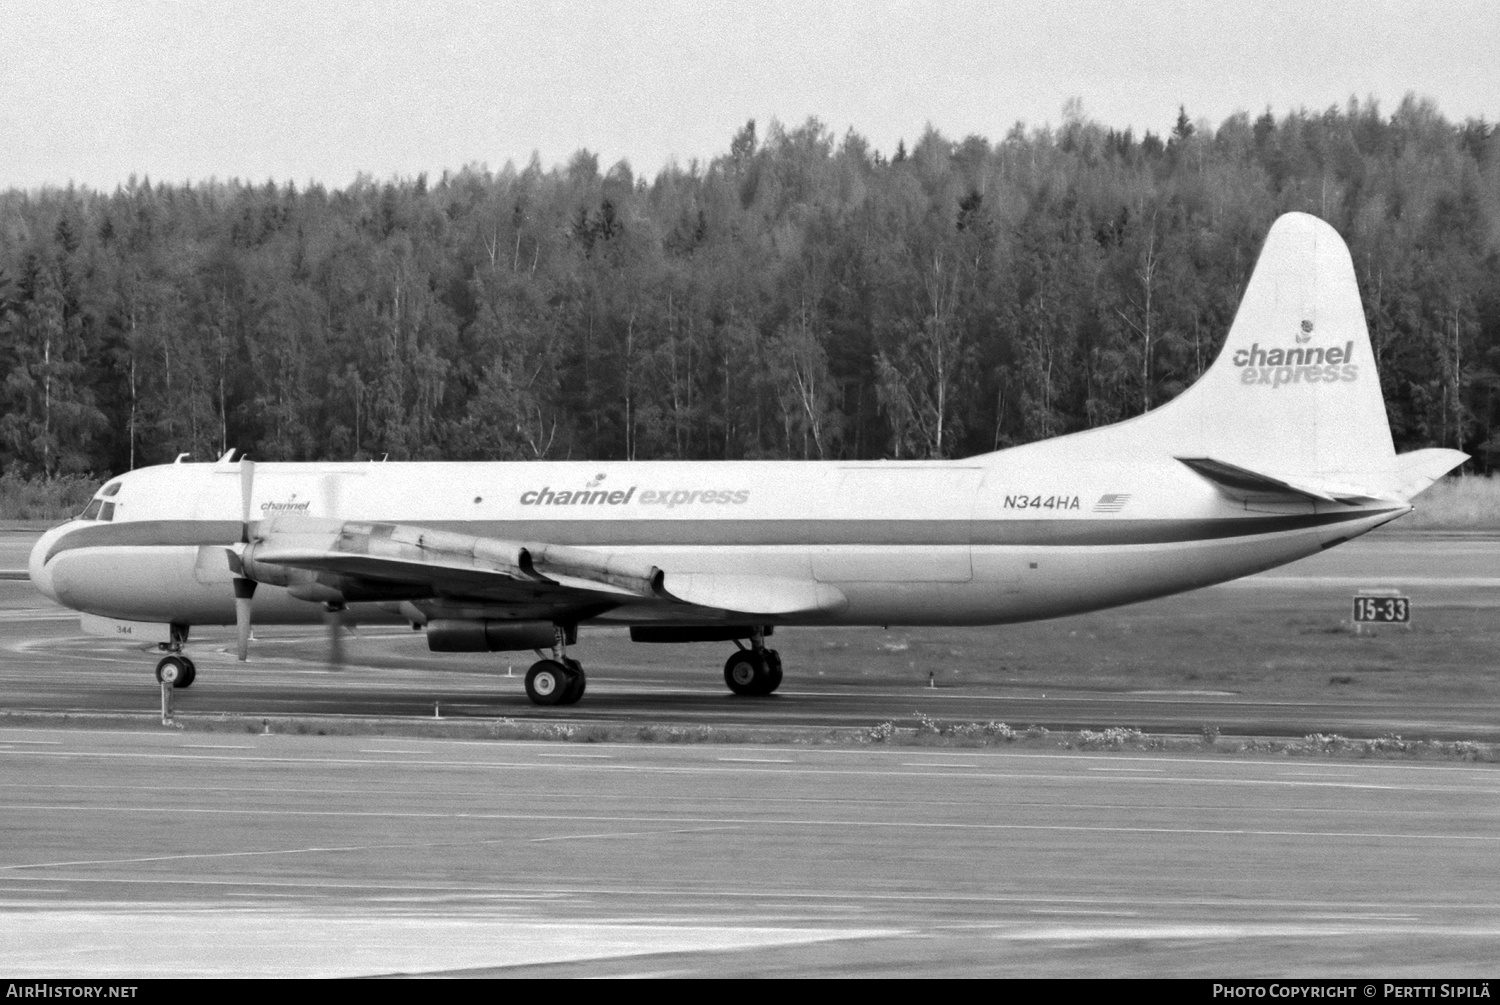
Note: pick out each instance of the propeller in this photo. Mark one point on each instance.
(244, 587)
(333, 617)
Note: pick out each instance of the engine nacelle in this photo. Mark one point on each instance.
(453, 636)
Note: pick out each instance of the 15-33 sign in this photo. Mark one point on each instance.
(1382, 610)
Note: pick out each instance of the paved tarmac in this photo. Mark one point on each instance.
(168, 854)
(391, 679)
(165, 853)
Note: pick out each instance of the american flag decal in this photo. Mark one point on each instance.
(1112, 503)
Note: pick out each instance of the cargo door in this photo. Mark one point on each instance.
(896, 523)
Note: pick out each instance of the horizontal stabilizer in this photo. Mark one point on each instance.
(1242, 483)
(1416, 471)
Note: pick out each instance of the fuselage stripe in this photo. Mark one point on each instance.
(731, 533)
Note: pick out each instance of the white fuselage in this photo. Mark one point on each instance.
(1005, 537)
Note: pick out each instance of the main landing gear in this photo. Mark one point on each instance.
(175, 668)
(559, 680)
(755, 671)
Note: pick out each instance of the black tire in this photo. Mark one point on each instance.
(172, 670)
(191, 675)
(548, 682)
(746, 673)
(579, 684)
(773, 671)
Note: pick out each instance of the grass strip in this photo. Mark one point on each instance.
(920, 731)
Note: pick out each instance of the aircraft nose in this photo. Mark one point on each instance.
(36, 566)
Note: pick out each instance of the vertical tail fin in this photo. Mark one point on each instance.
(1293, 394)
(1294, 390)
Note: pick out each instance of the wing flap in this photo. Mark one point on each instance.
(752, 594)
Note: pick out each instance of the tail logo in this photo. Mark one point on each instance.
(1277, 367)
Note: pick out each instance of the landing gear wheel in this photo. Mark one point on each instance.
(176, 670)
(773, 670)
(746, 673)
(579, 682)
(548, 682)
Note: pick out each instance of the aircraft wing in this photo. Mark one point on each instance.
(442, 563)
(1241, 483)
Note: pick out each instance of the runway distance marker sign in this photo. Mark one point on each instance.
(1381, 607)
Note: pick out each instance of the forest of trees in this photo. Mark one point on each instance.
(802, 295)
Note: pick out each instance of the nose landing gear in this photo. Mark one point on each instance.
(175, 668)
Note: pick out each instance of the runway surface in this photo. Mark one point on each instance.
(173, 854)
(159, 852)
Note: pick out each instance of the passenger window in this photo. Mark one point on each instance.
(112, 489)
(92, 512)
(107, 512)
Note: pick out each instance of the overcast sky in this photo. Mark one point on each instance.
(94, 92)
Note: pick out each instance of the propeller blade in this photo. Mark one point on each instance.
(247, 488)
(333, 617)
(244, 589)
(244, 593)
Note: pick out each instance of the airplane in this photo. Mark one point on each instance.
(1280, 450)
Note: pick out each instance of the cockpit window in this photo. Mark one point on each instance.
(112, 489)
(107, 511)
(92, 513)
